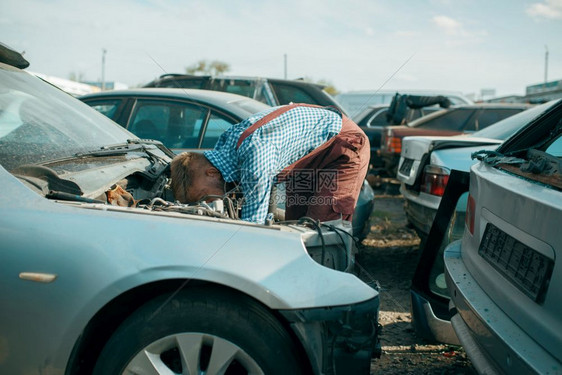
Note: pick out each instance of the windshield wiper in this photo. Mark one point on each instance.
(132, 145)
(154, 142)
(118, 149)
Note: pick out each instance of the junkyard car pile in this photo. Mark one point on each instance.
(102, 272)
(447, 122)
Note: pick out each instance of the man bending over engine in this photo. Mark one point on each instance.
(320, 154)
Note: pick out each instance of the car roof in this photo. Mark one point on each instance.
(315, 91)
(492, 105)
(439, 113)
(172, 76)
(224, 100)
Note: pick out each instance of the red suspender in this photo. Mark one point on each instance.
(264, 120)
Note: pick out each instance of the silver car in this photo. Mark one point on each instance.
(426, 163)
(504, 277)
(102, 272)
(430, 163)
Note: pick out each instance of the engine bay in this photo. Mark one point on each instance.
(136, 191)
(143, 186)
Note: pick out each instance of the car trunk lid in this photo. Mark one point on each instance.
(513, 251)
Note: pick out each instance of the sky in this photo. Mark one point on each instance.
(457, 45)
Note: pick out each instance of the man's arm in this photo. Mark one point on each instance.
(258, 169)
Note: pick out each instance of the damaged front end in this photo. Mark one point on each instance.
(339, 339)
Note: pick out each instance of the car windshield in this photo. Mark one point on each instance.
(39, 122)
(244, 87)
(505, 128)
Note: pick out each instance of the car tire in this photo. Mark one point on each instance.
(206, 330)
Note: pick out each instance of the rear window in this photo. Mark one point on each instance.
(555, 148)
(235, 86)
(487, 117)
(287, 94)
(453, 120)
(507, 127)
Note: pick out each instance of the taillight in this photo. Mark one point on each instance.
(434, 180)
(394, 144)
(469, 218)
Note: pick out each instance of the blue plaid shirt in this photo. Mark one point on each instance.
(268, 150)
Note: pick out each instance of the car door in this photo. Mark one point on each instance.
(216, 125)
(429, 295)
(178, 124)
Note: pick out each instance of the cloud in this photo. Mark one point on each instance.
(454, 28)
(551, 9)
(449, 25)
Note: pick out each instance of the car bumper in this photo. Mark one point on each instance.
(421, 217)
(340, 339)
(428, 324)
(493, 342)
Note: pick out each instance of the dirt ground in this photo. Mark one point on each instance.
(389, 256)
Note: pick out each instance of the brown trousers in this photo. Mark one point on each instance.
(325, 184)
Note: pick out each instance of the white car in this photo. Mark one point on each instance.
(505, 275)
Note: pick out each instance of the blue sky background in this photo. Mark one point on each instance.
(463, 45)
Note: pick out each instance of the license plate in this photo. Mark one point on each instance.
(523, 266)
(406, 166)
